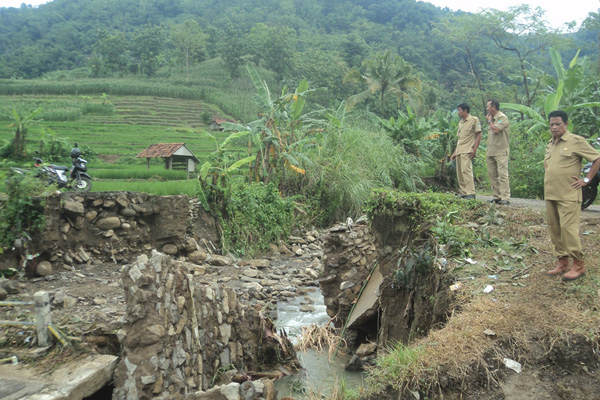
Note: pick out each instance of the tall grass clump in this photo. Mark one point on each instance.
(397, 368)
(350, 163)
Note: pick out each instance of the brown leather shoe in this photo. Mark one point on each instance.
(562, 266)
(577, 271)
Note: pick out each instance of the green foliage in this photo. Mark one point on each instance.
(350, 161)
(395, 367)
(255, 216)
(150, 186)
(23, 211)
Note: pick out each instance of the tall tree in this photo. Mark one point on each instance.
(525, 33)
(190, 41)
(112, 52)
(147, 43)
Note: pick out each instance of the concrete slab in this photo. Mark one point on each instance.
(369, 297)
(72, 381)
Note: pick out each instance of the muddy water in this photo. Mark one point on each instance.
(320, 375)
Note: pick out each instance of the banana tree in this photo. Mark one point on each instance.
(568, 82)
(22, 123)
(214, 176)
(277, 137)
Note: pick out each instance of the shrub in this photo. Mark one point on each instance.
(23, 211)
(255, 216)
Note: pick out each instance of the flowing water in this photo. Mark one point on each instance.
(320, 375)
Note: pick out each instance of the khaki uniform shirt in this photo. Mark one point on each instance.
(497, 143)
(562, 161)
(467, 131)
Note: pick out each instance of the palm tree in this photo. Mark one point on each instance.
(384, 72)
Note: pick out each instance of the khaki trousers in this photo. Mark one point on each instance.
(563, 226)
(464, 174)
(498, 173)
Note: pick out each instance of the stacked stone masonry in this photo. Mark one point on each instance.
(179, 336)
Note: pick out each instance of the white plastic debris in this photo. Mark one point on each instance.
(488, 289)
(489, 332)
(512, 364)
(470, 260)
(456, 286)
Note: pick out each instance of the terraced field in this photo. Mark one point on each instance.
(136, 123)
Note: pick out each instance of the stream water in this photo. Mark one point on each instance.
(320, 375)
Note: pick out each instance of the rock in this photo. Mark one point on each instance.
(65, 227)
(260, 263)
(73, 207)
(99, 301)
(83, 255)
(170, 249)
(253, 286)
(108, 203)
(197, 257)
(366, 349)
(109, 223)
(283, 249)
(346, 285)
(219, 260)
(355, 364)
(9, 287)
(231, 391)
(252, 273)
(128, 212)
(69, 302)
(91, 215)
(3, 294)
(269, 391)
(44, 268)
(191, 245)
(123, 201)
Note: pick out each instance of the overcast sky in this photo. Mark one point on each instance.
(557, 12)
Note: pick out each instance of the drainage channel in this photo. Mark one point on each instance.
(319, 374)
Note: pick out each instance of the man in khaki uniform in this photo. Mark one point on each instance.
(497, 152)
(562, 192)
(469, 136)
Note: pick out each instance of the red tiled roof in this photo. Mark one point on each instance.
(219, 120)
(160, 150)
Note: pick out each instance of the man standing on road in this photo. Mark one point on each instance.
(562, 192)
(497, 152)
(469, 136)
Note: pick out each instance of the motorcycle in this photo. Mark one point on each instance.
(590, 191)
(75, 178)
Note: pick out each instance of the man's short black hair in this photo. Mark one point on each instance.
(464, 107)
(495, 103)
(559, 113)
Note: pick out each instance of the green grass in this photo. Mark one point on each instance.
(168, 188)
(139, 172)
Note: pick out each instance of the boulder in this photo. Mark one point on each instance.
(170, 249)
(73, 207)
(44, 268)
(109, 223)
(197, 257)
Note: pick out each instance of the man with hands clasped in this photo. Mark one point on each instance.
(562, 192)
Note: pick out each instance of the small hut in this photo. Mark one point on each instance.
(175, 156)
(215, 123)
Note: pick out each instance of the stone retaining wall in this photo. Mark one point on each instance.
(83, 228)
(179, 336)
